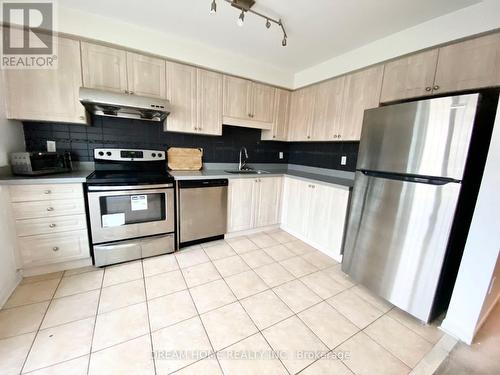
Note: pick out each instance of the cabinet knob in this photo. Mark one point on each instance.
(82, 117)
(428, 88)
(274, 136)
(131, 92)
(52, 225)
(47, 192)
(339, 136)
(126, 91)
(436, 87)
(335, 136)
(313, 186)
(55, 248)
(308, 137)
(50, 208)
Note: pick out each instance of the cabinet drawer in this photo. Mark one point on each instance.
(41, 209)
(31, 227)
(29, 193)
(54, 248)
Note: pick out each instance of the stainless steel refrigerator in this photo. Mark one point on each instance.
(408, 187)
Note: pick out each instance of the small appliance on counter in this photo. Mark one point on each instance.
(40, 163)
(131, 206)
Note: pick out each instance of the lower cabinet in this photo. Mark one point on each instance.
(315, 213)
(50, 222)
(253, 203)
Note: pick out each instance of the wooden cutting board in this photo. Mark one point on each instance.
(184, 159)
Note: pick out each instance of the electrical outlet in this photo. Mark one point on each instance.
(51, 146)
(281, 155)
(343, 160)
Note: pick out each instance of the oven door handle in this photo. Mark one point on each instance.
(130, 187)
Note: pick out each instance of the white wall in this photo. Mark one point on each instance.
(472, 20)
(11, 139)
(481, 252)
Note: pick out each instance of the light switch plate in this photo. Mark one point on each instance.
(343, 160)
(281, 155)
(51, 146)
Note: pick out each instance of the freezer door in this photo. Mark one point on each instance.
(396, 238)
(428, 137)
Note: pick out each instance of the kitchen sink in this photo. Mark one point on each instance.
(247, 171)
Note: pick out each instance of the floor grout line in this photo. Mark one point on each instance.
(148, 317)
(95, 321)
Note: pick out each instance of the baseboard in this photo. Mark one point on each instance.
(251, 231)
(337, 257)
(487, 314)
(7, 290)
(56, 267)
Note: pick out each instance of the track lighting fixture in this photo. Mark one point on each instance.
(241, 18)
(245, 6)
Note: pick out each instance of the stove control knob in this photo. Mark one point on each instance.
(108, 153)
(153, 155)
(101, 153)
(160, 155)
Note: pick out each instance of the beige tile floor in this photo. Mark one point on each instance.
(261, 304)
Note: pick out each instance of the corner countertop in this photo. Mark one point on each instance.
(75, 177)
(309, 174)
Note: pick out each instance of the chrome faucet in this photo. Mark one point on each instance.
(243, 164)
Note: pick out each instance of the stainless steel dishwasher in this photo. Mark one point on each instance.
(202, 208)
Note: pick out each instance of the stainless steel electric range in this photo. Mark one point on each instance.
(131, 208)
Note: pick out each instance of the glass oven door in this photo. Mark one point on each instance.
(130, 212)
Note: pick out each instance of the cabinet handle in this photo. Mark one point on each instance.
(82, 117)
(55, 248)
(428, 88)
(52, 225)
(50, 208)
(436, 87)
(47, 192)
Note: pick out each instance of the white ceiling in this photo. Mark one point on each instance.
(318, 29)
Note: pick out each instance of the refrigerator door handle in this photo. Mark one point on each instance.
(430, 180)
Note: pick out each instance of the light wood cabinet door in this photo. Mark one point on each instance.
(181, 92)
(467, 65)
(241, 204)
(48, 94)
(146, 76)
(409, 77)
(327, 110)
(263, 103)
(302, 113)
(295, 210)
(237, 98)
(268, 201)
(279, 131)
(362, 91)
(328, 209)
(104, 68)
(209, 102)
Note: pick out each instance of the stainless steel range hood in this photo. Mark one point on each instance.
(112, 104)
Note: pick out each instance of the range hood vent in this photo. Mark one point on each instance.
(111, 104)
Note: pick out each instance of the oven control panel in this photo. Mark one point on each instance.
(116, 154)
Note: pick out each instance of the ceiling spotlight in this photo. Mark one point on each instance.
(283, 42)
(213, 8)
(268, 23)
(241, 18)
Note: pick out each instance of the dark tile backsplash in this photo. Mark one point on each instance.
(81, 141)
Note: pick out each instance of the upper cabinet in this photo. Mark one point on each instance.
(472, 64)
(248, 104)
(279, 131)
(409, 77)
(104, 68)
(111, 69)
(196, 99)
(302, 113)
(146, 76)
(48, 94)
(468, 65)
(361, 92)
(326, 123)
